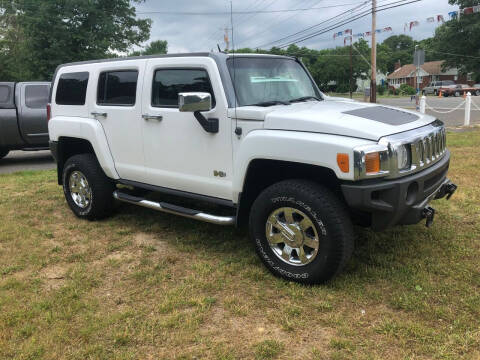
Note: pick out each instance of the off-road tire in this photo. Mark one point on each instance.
(3, 153)
(102, 202)
(326, 211)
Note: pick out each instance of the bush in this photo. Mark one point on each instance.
(381, 89)
(391, 91)
(406, 89)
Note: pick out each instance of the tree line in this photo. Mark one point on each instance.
(37, 36)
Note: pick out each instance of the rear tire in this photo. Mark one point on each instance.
(3, 153)
(88, 191)
(323, 233)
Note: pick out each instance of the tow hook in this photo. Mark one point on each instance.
(450, 189)
(429, 214)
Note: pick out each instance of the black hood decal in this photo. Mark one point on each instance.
(384, 115)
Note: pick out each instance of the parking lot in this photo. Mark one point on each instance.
(26, 160)
(455, 118)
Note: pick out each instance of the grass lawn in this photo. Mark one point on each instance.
(147, 285)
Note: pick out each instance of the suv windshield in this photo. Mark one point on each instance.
(270, 81)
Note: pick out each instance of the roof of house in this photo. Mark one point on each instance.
(431, 68)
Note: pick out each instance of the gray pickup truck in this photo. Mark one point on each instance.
(23, 116)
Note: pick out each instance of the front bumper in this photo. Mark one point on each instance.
(401, 201)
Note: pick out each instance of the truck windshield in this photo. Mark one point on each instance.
(270, 81)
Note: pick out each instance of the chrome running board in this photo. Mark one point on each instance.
(174, 209)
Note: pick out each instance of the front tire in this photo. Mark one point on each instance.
(301, 231)
(88, 191)
(3, 153)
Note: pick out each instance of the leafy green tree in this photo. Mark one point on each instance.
(59, 31)
(154, 48)
(458, 41)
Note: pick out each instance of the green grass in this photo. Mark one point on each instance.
(146, 285)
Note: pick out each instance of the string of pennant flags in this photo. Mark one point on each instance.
(453, 15)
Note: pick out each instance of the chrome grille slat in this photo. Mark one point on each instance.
(427, 146)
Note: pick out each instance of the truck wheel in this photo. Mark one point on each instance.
(87, 190)
(302, 231)
(3, 153)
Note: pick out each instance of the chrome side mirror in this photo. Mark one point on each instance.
(194, 101)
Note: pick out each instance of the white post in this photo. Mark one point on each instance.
(423, 101)
(468, 106)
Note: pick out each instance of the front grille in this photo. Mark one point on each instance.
(429, 148)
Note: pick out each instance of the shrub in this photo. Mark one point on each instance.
(381, 89)
(406, 89)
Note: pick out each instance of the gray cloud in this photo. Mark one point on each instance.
(202, 32)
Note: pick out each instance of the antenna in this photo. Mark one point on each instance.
(238, 130)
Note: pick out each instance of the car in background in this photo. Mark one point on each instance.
(23, 116)
(477, 89)
(459, 90)
(434, 86)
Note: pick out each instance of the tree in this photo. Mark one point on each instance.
(53, 32)
(154, 48)
(458, 40)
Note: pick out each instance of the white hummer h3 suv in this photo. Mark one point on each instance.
(252, 139)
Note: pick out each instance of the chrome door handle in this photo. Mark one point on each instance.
(152, 117)
(99, 114)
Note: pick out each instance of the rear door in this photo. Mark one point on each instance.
(31, 100)
(116, 104)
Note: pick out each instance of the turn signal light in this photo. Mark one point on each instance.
(343, 162)
(372, 163)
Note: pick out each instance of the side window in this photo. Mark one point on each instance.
(117, 88)
(36, 96)
(72, 88)
(167, 83)
(4, 93)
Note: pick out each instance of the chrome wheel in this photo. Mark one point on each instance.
(292, 236)
(80, 190)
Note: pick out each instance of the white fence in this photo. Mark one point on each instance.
(468, 102)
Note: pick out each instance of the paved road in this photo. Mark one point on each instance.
(26, 160)
(455, 118)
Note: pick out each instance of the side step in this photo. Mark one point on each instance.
(174, 209)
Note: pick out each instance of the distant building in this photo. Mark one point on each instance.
(428, 72)
(363, 84)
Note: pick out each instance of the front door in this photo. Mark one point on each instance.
(179, 153)
(117, 106)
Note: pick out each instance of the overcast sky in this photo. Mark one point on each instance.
(187, 33)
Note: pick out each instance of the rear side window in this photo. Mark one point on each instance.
(4, 93)
(72, 88)
(167, 83)
(36, 96)
(117, 88)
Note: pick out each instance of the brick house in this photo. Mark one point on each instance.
(428, 72)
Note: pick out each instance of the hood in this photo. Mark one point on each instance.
(339, 117)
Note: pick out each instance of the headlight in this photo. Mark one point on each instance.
(402, 157)
(371, 161)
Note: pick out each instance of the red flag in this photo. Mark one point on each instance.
(413, 23)
(348, 31)
(440, 18)
(368, 33)
(388, 28)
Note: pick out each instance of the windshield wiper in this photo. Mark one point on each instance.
(270, 103)
(304, 98)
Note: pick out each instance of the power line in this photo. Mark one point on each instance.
(316, 25)
(347, 21)
(459, 55)
(243, 12)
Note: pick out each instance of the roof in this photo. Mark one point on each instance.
(197, 54)
(431, 68)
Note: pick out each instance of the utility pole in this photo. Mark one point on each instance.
(351, 66)
(373, 84)
(227, 40)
